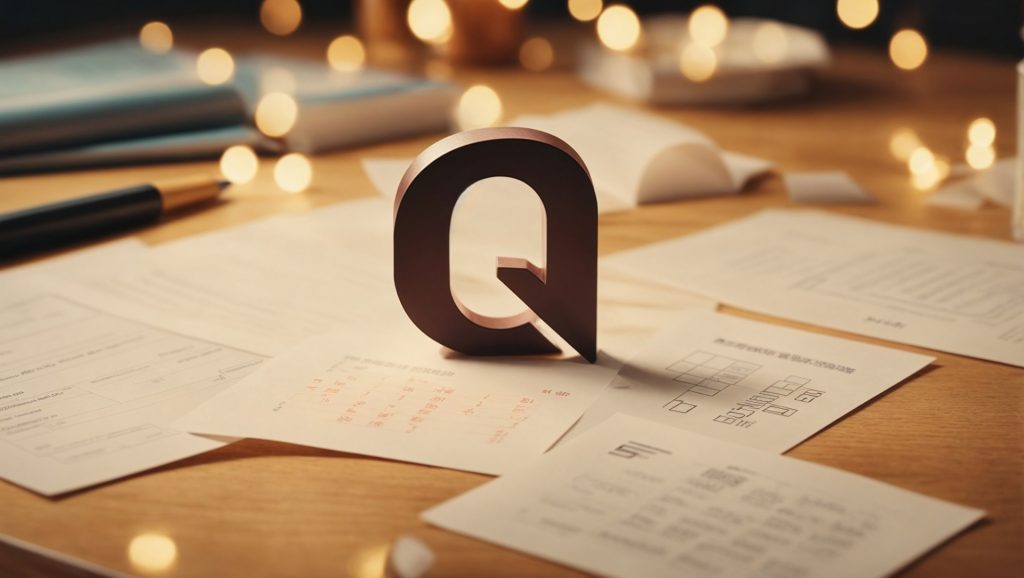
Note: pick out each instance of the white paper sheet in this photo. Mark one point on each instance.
(393, 395)
(825, 187)
(751, 383)
(947, 292)
(634, 498)
(86, 397)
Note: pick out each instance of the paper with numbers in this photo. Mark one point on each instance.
(751, 383)
(634, 498)
(393, 395)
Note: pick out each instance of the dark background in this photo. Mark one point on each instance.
(991, 26)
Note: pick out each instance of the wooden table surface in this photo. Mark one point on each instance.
(257, 508)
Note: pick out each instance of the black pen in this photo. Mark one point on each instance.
(49, 226)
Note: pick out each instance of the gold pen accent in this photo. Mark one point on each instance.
(183, 192)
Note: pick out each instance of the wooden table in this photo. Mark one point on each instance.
(258, 508)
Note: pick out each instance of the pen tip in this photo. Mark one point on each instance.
(223, 184)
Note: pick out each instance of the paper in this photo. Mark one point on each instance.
(393, 395)
(634, 498)
(947, 292)
(995, 184)
(86, 397)
(825, 187)
(633, 158)
(755, 384)
(264, 286)
(958, 195)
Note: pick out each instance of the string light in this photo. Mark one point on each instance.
(698, 62)
(980, 157)
(922, 160)
(857, 14)
(982, 132)
(152, 552)
(281, 17)
(478, 107)
(585, 10)
(239, 164)
(293, 173)
(215, 66)
(708, 25)
(770, 43)
(618, 27)
(346, 53)
(513, 4)
(430, 20)
(908, 49)
(536, 54)
(276, 114)
(156, 37)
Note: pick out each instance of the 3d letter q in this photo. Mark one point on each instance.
(563, 293)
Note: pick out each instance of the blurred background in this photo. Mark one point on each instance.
(991, 26)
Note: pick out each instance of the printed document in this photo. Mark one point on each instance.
(946, 292)
(393, 395)
(634, 498)
(87, 397)
(750, 383)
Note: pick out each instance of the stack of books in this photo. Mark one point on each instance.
(116, 103)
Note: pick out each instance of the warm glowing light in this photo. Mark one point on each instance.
(430, 20)
(698, 62)
(982, 132)
(293, 173)
(479, 107)
(369, 562)
(536, 54)
(277, 79)
(980, 157)
(708, 25)
(908, 49)
(152, 552)
(276, 114)
(903, 143)
(239, 164)
(281, 17)
(513, 4)
(926, 180)
(346, 53)
(585, 10)
(156, 37)
(618, 27)
(857, 14)
(770, 43)
(921, 161)
(215, 66)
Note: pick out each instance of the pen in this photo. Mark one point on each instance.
(55, 224)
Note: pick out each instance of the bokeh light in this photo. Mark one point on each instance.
(215, 66)
(903, 143)
(430, 20)
(908, 49)
(536, 54)
(281, 17)
(697, 62)
(857, 14)
(921, 161)
(618, 27)
(980, 157)
(513, 4)
(239, 164)
(156, 37)
(770, 43)
(479, 107)
(708, 25)
(293, 173)
(276, 114)
(585, 10)
(346, 53)
(152, 553)
(982, 132)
